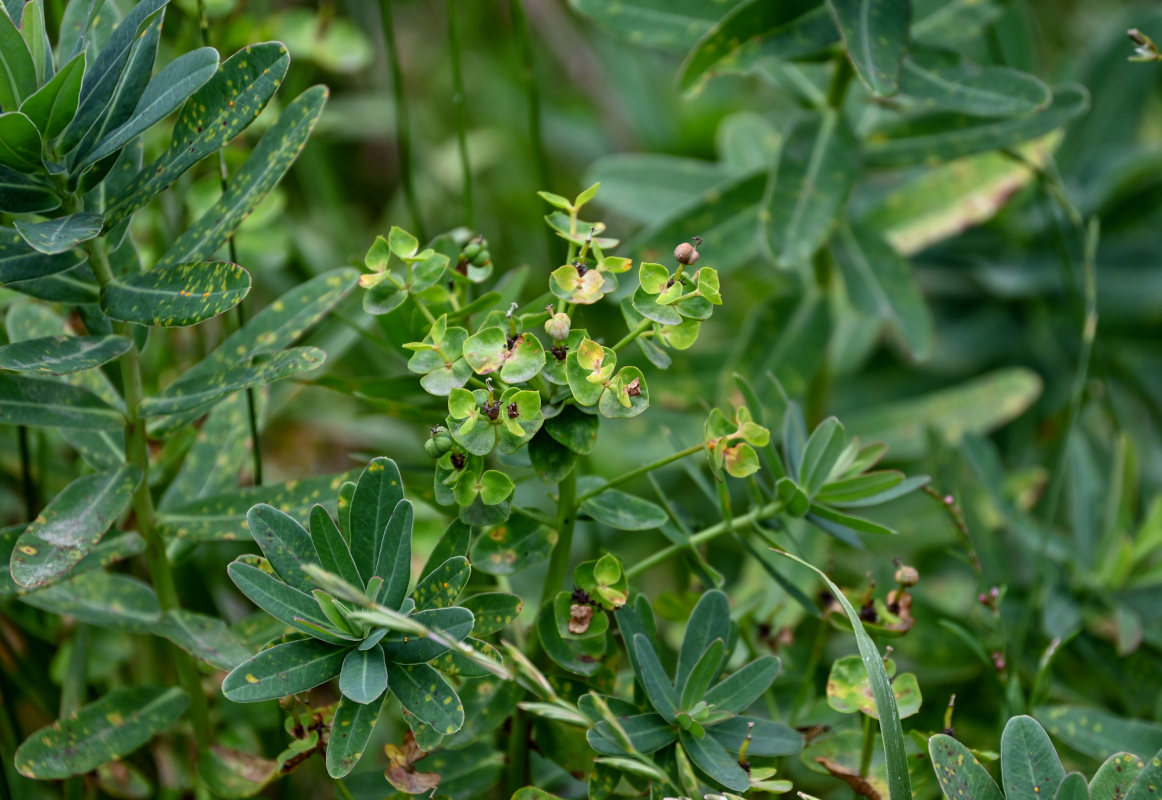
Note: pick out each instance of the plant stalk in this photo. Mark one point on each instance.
(27, 484)
(402, 127)
(137, 454)
(702, 537)
(520, 24)
(566, 520)
(460, 100)
(641, 328)
(633, 473)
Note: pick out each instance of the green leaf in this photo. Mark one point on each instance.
(19, 262)
(580, 656)
(551, 460)
(402, 243)
(1145, 786)
(377, 493)
(166, 91)
(979, 405)
(666, 24)
(824, 447)
(207, 638)
(933, 138)
(627, 395)
(1072, 788)
(284, 542)
(440, 587)
(104, 599)
(575, 429)
(17, 70)
(53, 105)
(175, 296)
(62, 355)
(958, 771)
(62, 234)
(848, 689)
(1114, 775)
(710, 757)
(494, 487)
(453, 542)
(875, 35)
(808, 188)
(755, 30)
(737, 692)
(622, 511)
(899, 783)
(20, 142)
(881, 283)
(709, 620)
(232, 773)
(766, 738)
(363, 677)
(425, 693)
(112, 76)
(186, 394)
(24, 194)
(351, 729)
(647, 733)
(987, 91)
(102, 731)
(285, 603)
(456, 623)
(334, 554)
(512, 547)
(109, 551)
(213, 116)
(1029, 764)
(694, 689)
(663, 696)
(283, 670)
(48, 402)
(1096, 732)
(223, 516)
(218, 454)
(492, 611)
(265, 167)
(32, 28)
(71, 525)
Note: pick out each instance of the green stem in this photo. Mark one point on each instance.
(423, 309)
(840, 80)
(459, 99)
(402, 128)
(566, 520)
(528, 77)
(703, 536)
(641, 328)
(869, 744)
(342, 790)
(137, 454)
(633, 473)
(517, 769)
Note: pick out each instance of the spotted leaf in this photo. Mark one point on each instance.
(55, 236)
(71, 525)
(44, 401)
(177, 295)
(425, 693)
(351, 729)
(61, 355)
(104, 599)
(271, 158)
(283, 670)
(100, 732)
(441, 587)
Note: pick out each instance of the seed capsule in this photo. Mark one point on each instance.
(558, 326)
(686, 254)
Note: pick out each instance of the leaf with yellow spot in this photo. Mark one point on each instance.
(71, 525)
(441, 587)
(958, 772)
(283, 670)
(105, 599)
(100, 732)
(422, 691)
(351, 729)
(176, 295)
(493, 611)
(269, 161)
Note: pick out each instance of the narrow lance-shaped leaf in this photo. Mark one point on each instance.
(351, 729)
(43, 401)
(164, 93)
(62, 234)
(17, 71)
(25, 194)
(710, 757)
(213, 116)
(334, 554)
(377, 493)
(425, 693)
(808, 188)
(53, 105)
(32, 28)
(283, 670)
(393, 561)
(709, 620)
(105, 599)
(183, 294)
(71, 525)
(100, 732)
(271, 158)
(899, 783)
(62, 355)
(875, 35)
(185, 395)
(654, 680)
(104, 77)
(20, 142)
(285, 603)
(987, 91)
(284, 542)
(207, 638)
(212, 463)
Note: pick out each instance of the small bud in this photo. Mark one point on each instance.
(907, 576)
(558, 326)
(686, 254)
(513, 411)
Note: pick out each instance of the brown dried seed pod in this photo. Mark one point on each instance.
(686, 254)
